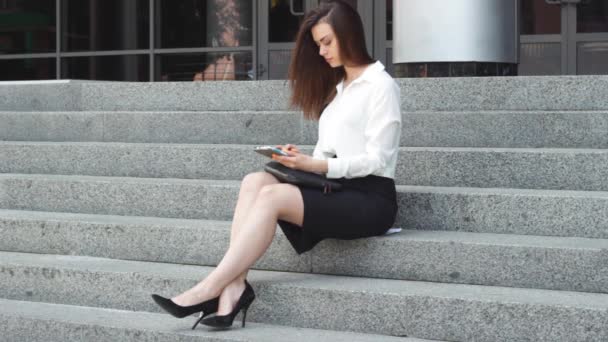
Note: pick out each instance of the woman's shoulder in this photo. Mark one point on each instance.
(378, 75)
(383, 82)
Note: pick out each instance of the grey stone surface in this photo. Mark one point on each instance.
(209, 127)
(568, 169)
(562, 129)
(28, 321)
(246, 127)
(441, 94)
(557, 263)
(505, 93)
(505, 211)
(51, 126)
(310, 132)
(511, 211)
(392, 307)
(40, 95)
(187, 161)
(575, 264)
(225, 95)
(197, 242)
(192, 199)
(446, 248)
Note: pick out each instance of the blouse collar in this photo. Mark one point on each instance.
(370, 73)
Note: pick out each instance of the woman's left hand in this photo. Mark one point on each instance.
(296, 161)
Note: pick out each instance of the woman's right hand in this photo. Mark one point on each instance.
(289, 148)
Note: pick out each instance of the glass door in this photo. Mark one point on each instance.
(366, 10)
(383, 33)
(587, 37)
(542, 46)
(279, 21)
(564, 37)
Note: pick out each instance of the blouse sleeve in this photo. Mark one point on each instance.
(382, 134)
(320, 150)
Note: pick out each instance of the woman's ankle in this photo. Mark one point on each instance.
(240, 281)
(234, 289)
(193, 296)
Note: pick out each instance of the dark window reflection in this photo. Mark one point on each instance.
(390, 68)
(538, 17)
(204, 67)
(283, 25)
(592, 16)
(352, 3)
(27, 69)
(540, 59)
(106, 68)
(105, 25)
(591, 58)
(278, 64)
(27, 26)
(204, 23)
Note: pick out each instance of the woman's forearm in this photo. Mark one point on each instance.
(319, 166)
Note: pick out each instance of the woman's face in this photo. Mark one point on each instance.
(324, 37)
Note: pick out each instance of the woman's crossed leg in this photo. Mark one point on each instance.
(262, 201)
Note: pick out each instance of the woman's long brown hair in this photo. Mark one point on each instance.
(313, 81)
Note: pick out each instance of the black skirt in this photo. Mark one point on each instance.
(366, 206)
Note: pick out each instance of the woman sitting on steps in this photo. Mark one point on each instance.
(335, 81)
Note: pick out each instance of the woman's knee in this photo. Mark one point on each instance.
(254, 181)
(278, 195)
(284, 199)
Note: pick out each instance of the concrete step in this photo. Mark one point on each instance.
(508, 129)
(558, 263)
(561, 129)
(510, 211)
(567, 169)
(558, 169)
(46, 322)
(438, 311)
(440, 94)
(201, 242)
(225, 127)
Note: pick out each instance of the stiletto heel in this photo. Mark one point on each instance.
(205, 308)
(243, 304)
(244, 315)
(200, 318)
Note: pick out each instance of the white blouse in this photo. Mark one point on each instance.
(362, 127)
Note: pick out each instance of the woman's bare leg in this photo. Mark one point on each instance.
(276, 201)
(250, 187)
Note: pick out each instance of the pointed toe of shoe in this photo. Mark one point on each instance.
(170, 307)
(157, 299)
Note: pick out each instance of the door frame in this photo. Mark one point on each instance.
(262, 44)
(374, 27)
(568, 38)
(380, 43)
(573, 38)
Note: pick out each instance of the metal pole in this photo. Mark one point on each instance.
(57, 39)
(151, 37)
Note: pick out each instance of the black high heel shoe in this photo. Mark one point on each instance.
(243, 304)
(205, 308)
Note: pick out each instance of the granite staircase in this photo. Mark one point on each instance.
(112, 191)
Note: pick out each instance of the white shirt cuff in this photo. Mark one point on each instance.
(334, 168)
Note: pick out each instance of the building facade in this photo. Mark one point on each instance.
(202, 40)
